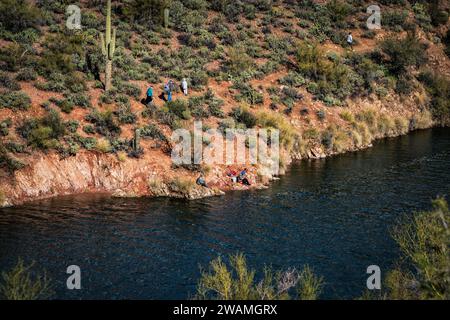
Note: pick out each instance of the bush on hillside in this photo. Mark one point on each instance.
(439, 88)
(243, 115)
(15, 101)
(146, 12)
(18, 15)
(43, 133)
(104, 123)
(403, 53)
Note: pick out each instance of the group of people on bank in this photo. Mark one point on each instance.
(167, 94)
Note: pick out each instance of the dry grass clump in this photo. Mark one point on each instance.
(423, 120)
(103, 145)
(401, 125)
(121, 156)
(155, 185)
(182, 185)
(347, 116)
(288, 134)
(386, 126)
(2, 197)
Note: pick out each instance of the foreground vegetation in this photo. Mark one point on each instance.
(236, 281)
(424, 271)
(21, 283)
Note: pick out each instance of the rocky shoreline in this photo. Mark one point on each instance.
(90, 172)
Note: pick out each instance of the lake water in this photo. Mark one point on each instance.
(335, 215)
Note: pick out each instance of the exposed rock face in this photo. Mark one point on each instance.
(50, 176)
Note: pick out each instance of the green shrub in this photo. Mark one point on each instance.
(43, 133)
(179, 108)
(14, 56)
(235, 281)
(72, 126)
(146, 12)
(87, 143)
(7, 82)
(403, 53)
(26, 74)
(167, 117)
(4, 127)
(15, 101)
(288, 134)
(238, 61)
(125, 115)
(424, 244)
(243, 115)
(394, 19)
(153, 132)
(332, 79)
(438, 86)
(248, 94)
(62, 54)
(7, 162)
(104, 122)
(65, 105)
(18, 15)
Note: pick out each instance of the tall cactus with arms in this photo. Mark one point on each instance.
(108, 44)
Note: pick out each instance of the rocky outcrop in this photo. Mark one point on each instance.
(49, 176)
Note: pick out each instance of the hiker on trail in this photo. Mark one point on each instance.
(168, 91)
(171, 85)
(184, 86)
(201, 181)
(350, 40)
(149, 96)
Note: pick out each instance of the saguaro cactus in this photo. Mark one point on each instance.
(108, 43)
(166, 13)
(137, 140)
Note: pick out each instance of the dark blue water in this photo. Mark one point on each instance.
(335, 215)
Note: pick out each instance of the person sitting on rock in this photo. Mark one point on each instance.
(242, 178)
(201, 181)
(233, 175)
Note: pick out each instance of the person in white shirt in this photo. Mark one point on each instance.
(184, 86)
(350, 40)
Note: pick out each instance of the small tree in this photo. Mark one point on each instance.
(20, 284)
(424, 243)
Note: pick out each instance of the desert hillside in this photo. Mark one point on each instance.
(248, 63)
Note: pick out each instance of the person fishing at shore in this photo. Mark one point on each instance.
(202, 182)
(233, 175)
